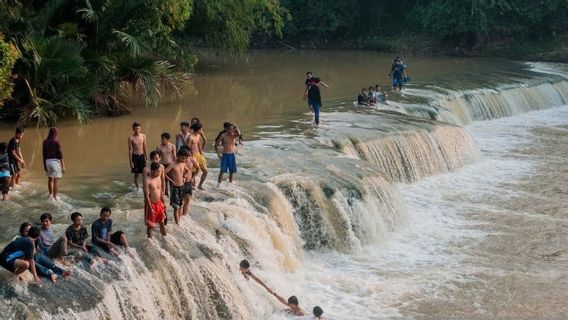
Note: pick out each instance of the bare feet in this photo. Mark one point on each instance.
(201, 188)
(53, 278)
(65, 262)
(66, 273)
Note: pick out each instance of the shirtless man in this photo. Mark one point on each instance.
(176, 174)
(137, 152)
(167, 152)
(196, 147)
(200, 131)
(189, 182)
(228, 161)
(155, 158)
(292, 304)
(154, 196)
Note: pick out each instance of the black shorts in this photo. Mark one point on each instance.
(176, 196)
(187, 188)
(139, 163)
(14, 166)
(8, 265)
(115, 238)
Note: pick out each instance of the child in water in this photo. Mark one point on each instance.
(4, 171)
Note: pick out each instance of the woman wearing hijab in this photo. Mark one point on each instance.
(53, 162)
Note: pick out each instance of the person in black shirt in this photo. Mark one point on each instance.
(398, 74)
(312, 93)
(362, 98)
(18, 255)
(15, 157)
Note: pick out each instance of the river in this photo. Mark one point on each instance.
(447, 203)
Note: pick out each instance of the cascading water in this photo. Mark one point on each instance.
(476, 105)
(301, 196)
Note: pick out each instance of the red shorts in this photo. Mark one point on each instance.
(155, 215)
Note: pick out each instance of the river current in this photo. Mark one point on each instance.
(449, 202)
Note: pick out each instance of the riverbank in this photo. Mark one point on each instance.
(546, 50)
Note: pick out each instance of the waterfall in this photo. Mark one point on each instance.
(463, 107)
(334, 188)
(410, 156)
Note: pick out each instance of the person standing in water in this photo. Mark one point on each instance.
(182, 135)
(313, 94)
(155, 212)
(314, 98)
(177, 174)
(137, 152)
(195, 143)
(228, 161)
(398, 75)
(53, 163)
(167, 153)
(15, 157)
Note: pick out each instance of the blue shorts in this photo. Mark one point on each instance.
(228, 163)
(397, 81)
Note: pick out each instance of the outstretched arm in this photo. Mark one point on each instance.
(255, 278)
(279, 298)
(323, 84)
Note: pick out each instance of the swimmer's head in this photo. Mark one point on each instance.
(318, 312)
(244, 266)
(136, 127)
(293, 303)
(165, 136)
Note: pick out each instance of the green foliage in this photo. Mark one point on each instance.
(79, 58)
(464, 23)
(8, 57)
(230, 24)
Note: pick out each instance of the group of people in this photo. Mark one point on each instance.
(292, 303)
(173, 168)
(369, 98)
(36, 247)
(12, 162)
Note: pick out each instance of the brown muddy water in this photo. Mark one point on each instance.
(447, 203)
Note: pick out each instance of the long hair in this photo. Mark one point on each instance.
(52, 135)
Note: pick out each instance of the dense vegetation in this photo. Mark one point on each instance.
(458, 23)
(80, 58)
(84, 57)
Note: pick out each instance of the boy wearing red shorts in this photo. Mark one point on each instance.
(154, 195)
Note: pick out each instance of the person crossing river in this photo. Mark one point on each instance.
(313, 94)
